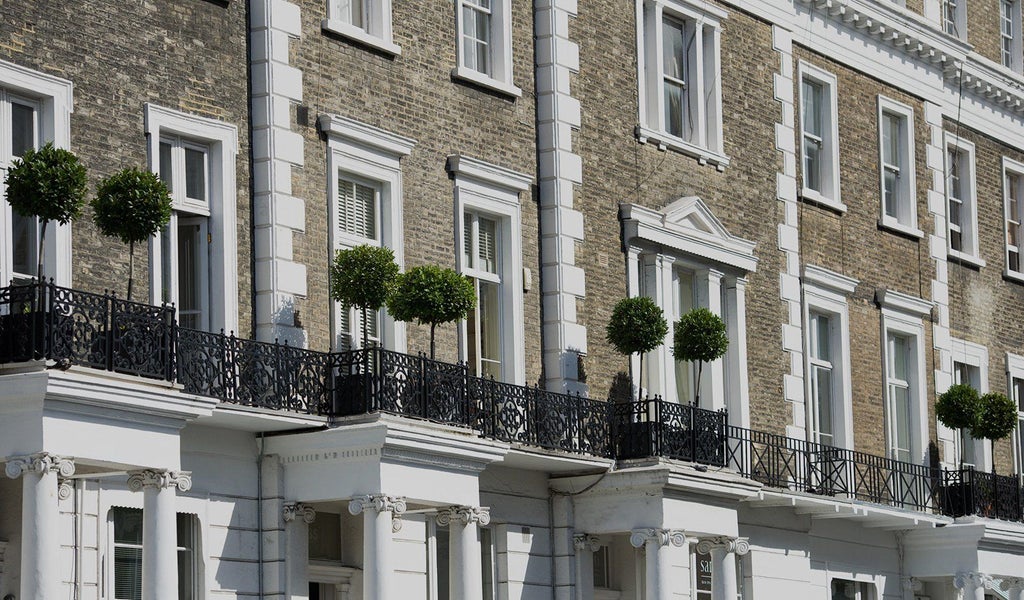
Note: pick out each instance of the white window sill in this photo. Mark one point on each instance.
(967, 259)
(486, 81)
(809, 195)
(360, 35)
(896, 226)
(1013, 276)
(664, 141)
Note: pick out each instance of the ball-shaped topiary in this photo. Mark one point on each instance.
(997, 418)
(363, 277)
(958, 407)
(131, 205)
(699, 336)
(431, 295)
(637, 325)
(49, 183)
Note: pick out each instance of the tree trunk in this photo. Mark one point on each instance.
(42, 249)
(696, 384)
(131, 268)
(432, 326)
(365, 313)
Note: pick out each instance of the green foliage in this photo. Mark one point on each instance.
(48, 183)
(699, 336)
(997, 418)
(363, 276)
(959, 407)
(637, 325)
(131, 205)
(431, 295)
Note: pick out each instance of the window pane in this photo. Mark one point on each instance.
(23, 128)
(490, 329)
(443, 558)
(821, 345)
(891, 138)
(186, 562)
(166, 166)
(812, 117)
(898, 357)
(891, 194)
(127, 573)
(901, 425)
(812, 164)
(486, 564)
(195, 174)
(189, 275)
(823, 389)
(26, 243)
(672, 49)
(127, 525)
(601, 571)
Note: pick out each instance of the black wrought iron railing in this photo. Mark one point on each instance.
(45, 321)
(971, 492)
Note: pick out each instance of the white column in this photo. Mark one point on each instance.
(381, 518)
(723, 553)
(736, 384)
(712, 382)
(159, 529)
(40, 540)
(657, 576)
(1015, 587)
(972, 585)
(585, 546)
(297, 517)
(465, 573)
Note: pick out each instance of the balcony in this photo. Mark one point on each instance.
(70, 327)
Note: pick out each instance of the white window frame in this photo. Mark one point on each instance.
(955, 26)
(493, 191)
(968, 227)
(827, 292)
(54, 97)
(1014, 59)
(904, 315)
(829, 195)
(370, 155)
(871, 586)
(1012, 167)
(906, 221)
(221, 141)
(708, 148)
(495, 530)
(1015, 370)
(500, 77)
(976, 356)
(376, 30)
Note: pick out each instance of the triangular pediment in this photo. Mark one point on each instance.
(692, 213)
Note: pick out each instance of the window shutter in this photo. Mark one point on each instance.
(488, 246)
(357, 213)
(344, 327)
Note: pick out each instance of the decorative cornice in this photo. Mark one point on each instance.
(380, 503)
(464, 515)
(662, 537)
(291, 510)
(739, 546)
(160, 479)
(823, 277)
(903, 302)
(341, 127)
(461, 165)
(585, 541)
(40, 462)
(972, 581)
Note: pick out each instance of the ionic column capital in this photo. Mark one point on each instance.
(1012, 584)
(380, 503)
(64, 489)
(40, 462)
(738, 546)
(662, 537)
(291, 510)
(585, 541)
(464, 514)
(159, 479)
(972, 581)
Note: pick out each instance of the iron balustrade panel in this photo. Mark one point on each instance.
(78, 327)
(351, 383)
(443, 394)
(205, 364)
(972, 492)
(303, 381)
(594, 433)
(655, 427)
(553, 420)
(141, 339)
(504, 409)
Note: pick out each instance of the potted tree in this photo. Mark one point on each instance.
(959, 408)
(700, 337)
(637, 326)
(49, 184)
(363, 277)
(431, 295)
(131, 205)
(996, 421)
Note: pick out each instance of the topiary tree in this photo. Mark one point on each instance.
(431, 295)
(363, 277)
(959, 408)
(996, 420)
(699, 337)
(637, 326)
(131, 205)
(50, 184)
